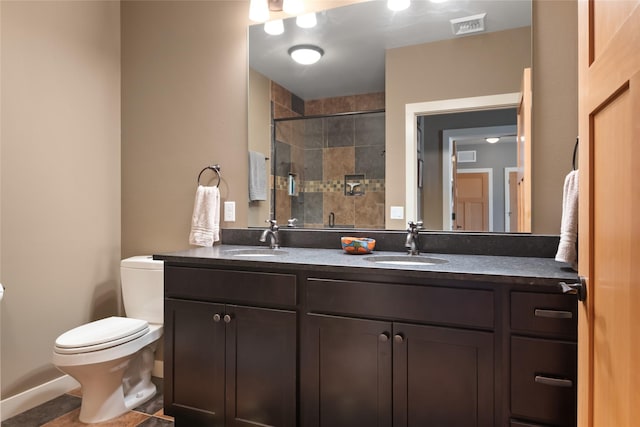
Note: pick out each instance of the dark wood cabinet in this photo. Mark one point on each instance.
(347, 363)
(230, 365)
(543, 359)
(284, 347)
(389, 373)
(442, 376)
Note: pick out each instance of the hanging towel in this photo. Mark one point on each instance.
(257, 176)
(567, 251)
(205, 223)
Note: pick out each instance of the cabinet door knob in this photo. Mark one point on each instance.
(383, 337)
(226, 318)
(398, 338)
(216, 317)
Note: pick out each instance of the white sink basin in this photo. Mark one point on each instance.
(405, 260)
(257, 252)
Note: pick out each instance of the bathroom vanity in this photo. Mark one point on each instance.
(316, 337)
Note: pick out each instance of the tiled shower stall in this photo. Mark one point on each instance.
(329, 160)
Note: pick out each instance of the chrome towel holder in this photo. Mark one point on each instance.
(215, 168)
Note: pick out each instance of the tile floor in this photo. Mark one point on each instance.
(63, 412)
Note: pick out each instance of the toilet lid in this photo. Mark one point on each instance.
(101, 334)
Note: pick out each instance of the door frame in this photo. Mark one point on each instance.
(449, 137)
(507, 198)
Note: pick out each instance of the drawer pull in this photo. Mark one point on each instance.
(216, 317)
(226, 318)
(553, 314)
(398, 338)
(383, 337)
(555, 382)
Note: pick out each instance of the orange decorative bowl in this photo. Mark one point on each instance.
(357, 245)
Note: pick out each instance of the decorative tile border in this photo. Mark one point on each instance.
(330, 186)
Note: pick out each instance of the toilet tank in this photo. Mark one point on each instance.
(142, 280)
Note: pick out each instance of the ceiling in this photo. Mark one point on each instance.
(355, 37)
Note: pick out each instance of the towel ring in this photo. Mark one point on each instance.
(215, 168)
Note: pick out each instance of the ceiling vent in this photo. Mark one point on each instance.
(468, 24)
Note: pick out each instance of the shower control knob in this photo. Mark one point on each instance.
(216, 317)
(226, 318)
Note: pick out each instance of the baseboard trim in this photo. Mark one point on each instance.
(35, 396)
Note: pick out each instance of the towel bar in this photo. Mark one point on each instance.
(215, 168)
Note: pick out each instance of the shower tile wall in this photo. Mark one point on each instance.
(321, 151)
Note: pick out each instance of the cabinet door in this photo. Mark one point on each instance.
(347, 370)
(261, 367)
(194, 362)
(442, 377)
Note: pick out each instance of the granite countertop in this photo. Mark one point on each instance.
(515, 270)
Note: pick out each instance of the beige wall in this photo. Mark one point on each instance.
(184, 106)
(60, 175)
(555, 107)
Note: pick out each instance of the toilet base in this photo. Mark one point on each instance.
(115, 387)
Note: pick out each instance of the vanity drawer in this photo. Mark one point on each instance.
(543, 380)
(228, 285)
(429, 304)
(548, 314)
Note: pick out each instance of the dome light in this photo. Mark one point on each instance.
(306, 54)
(492, 139)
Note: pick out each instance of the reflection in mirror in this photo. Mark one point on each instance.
(351, 78)
(470, 186)
(329, 170)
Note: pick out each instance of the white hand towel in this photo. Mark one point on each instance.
(257, 176)
(567, 251)
(205, 223)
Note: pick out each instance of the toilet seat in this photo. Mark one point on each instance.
(100, 335)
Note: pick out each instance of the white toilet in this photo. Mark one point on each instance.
(112, 358)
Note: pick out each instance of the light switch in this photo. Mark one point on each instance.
(230, 211)
(397, 212)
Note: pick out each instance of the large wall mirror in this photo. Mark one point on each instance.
(332, 135)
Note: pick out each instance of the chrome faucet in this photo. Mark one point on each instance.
(272, 233)
(413, 241)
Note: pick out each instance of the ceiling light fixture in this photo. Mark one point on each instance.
(308, 20)
(293, 7)
(259, 10)
(274, 28)
(398, 5)
(492, 139)
(306, 54)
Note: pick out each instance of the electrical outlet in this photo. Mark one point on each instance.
(397, 212)
(230, 211)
